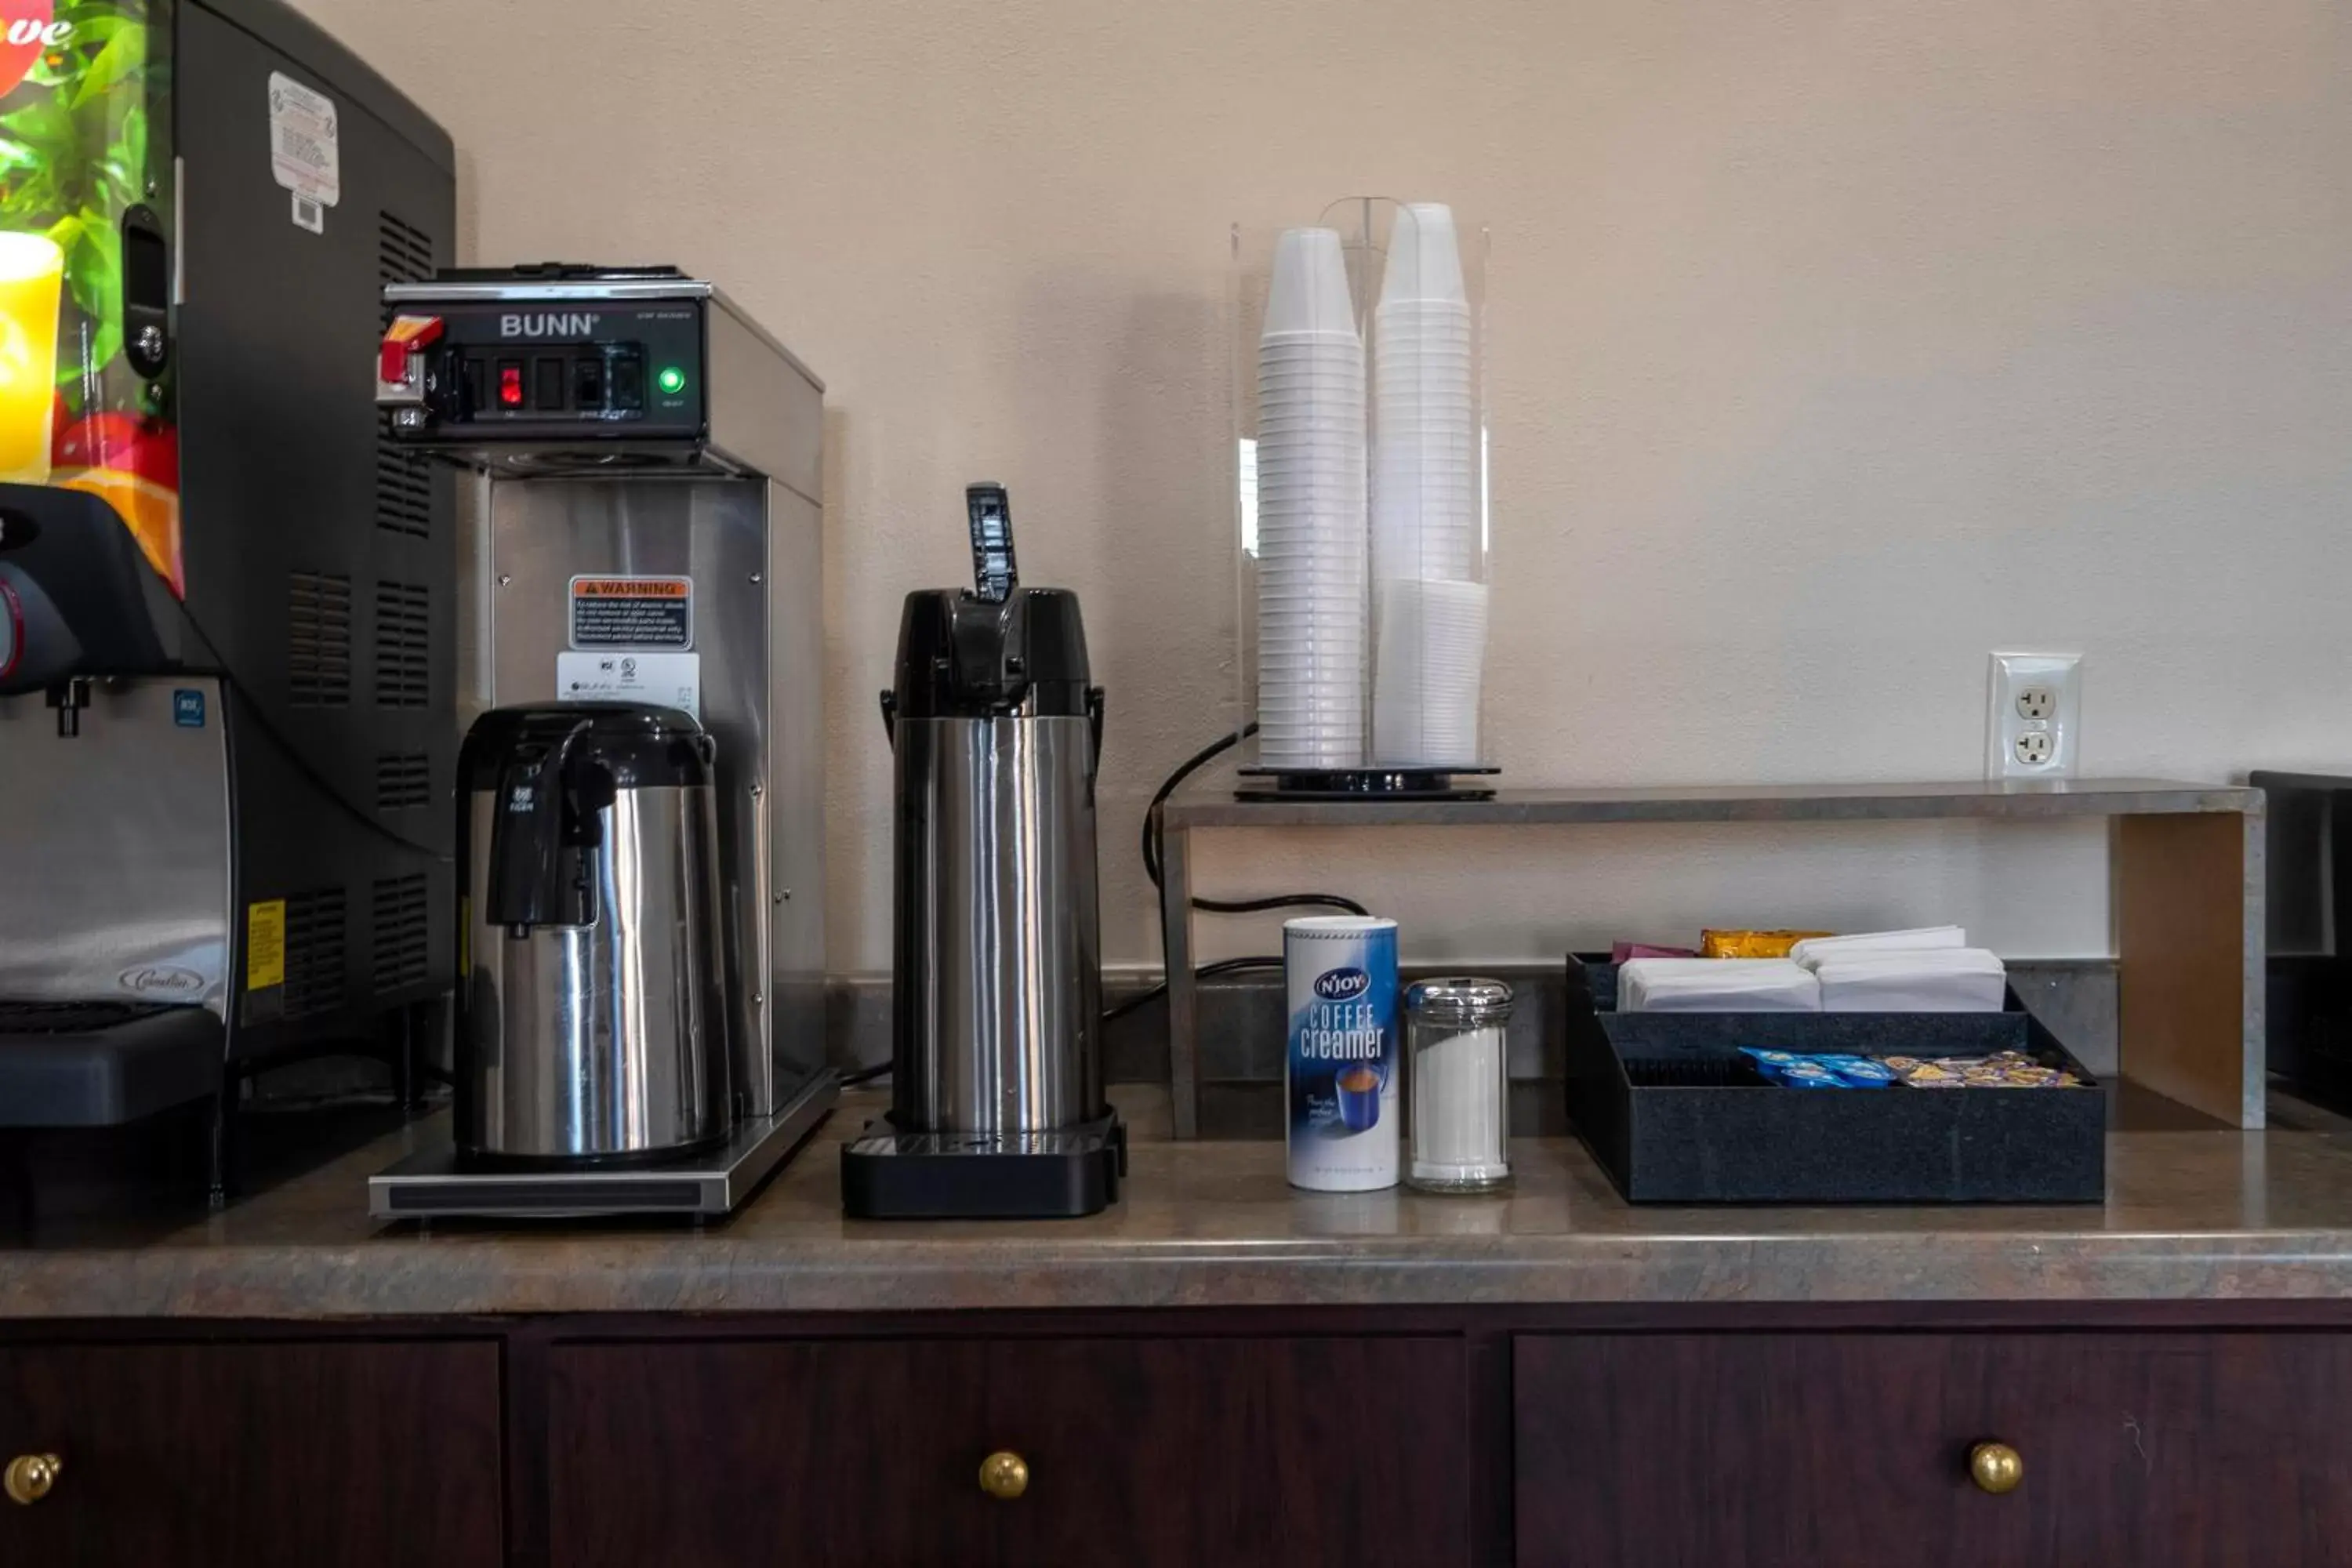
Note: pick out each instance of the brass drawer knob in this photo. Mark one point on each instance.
(29, 1477)
(1996, 1468)
(1004, 1475)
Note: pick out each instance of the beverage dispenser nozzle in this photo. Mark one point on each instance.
(69, 697)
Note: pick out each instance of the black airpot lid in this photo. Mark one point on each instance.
(962, 656)
(640, 745)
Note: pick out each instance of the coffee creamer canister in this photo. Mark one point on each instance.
(1341, 1072)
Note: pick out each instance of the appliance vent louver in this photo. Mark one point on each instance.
(403, 931)
(404, 252)
(403, 490)
(404, 780)
(404, 645)
(318, 640)
(315, 952)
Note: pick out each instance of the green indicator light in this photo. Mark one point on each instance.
(671, 380)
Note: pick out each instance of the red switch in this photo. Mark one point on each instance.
(509, 383)
(401, 340)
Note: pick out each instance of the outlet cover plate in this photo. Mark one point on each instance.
(2033, 715)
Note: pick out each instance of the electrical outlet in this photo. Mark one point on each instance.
(2033, 715)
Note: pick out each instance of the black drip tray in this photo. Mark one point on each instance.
(1061, 1173)
(100, 1064)
(74, 1018)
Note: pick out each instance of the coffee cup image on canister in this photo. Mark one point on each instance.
(1357, 1087)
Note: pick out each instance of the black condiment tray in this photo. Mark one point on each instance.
(1676, 1114)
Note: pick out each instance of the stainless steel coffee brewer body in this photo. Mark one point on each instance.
(647, 525)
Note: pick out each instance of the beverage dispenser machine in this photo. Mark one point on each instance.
(648, 464)
(226, 598)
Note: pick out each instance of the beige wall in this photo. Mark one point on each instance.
(1836, 341)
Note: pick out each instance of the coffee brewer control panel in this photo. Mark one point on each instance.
(556, 365)
(567, 362)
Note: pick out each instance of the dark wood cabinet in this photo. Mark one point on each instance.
(1139, 1451)
(1786, 1437)
(1816, 1450)
(259, 1455)
(757, 1453)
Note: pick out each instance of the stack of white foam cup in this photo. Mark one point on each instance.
(1429, 604)
(1311, 570)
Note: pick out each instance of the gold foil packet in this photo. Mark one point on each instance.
(1752, 943)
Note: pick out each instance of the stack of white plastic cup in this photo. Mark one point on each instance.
(1426, 501)
(1311, 581)
(1431, 657)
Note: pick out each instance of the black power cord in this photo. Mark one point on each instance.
(1155, 836)
(1154, 859)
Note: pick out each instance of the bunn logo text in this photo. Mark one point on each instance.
(547, 324)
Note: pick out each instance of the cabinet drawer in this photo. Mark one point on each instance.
(1137, 1451)
(708, 1455)
(1186, 1452)
(262, 1454)
(1831, 1450)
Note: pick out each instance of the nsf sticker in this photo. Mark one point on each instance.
(188, 709)
(666, 680)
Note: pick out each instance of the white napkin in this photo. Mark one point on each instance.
(1815, 951)
(1938, 980)
(1716, 985)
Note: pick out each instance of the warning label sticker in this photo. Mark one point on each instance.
(305, 147)
(632, 612)
(265, 944)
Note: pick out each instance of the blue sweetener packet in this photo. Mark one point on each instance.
(1859, 1072)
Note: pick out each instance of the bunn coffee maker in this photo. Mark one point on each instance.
(646, 464)
(997, 1107)
(227, 676)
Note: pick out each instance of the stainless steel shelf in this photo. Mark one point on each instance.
(1733, 803)
(2188, 871)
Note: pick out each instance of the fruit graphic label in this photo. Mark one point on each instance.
(27, 31)
(84, 136)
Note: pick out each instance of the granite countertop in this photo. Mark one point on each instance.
(2192, 1214)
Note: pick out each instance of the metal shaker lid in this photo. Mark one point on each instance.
(1459, 999)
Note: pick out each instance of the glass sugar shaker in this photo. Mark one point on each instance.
(1457, 1075)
